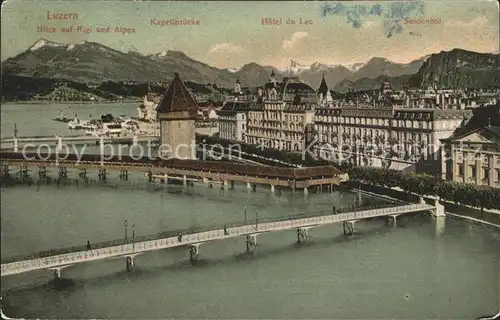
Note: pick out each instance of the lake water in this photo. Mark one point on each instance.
(424, 268)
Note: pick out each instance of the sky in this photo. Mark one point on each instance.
(231, 34)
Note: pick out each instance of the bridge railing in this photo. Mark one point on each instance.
(173, 233)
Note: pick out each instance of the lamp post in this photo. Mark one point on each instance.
(133, 233)
(125, 224)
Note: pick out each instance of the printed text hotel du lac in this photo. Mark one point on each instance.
(285, 21)
(86, 29)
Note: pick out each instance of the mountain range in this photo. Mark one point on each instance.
(92, 64)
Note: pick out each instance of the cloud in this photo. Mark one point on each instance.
(289, 44)
(227, 55)
(227, 48)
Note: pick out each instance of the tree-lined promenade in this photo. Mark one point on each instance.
(422, 184)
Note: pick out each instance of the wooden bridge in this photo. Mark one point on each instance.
(61, 258)
(219, 171)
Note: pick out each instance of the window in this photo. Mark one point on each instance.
(486, 173)
(473, 172)
(460, 170)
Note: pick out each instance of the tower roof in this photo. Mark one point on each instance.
(149, 94)
(323, 88)
(177, 98)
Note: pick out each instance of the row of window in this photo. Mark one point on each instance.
(472, 173)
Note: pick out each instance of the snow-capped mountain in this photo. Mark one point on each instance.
(355, 66)
(44, 43)
(95, 63)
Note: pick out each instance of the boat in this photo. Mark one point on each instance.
(75, 124)
(130, 126)
(61, 118)
(90, 124)
(110, 129)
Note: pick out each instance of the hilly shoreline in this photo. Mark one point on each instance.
(90, 71)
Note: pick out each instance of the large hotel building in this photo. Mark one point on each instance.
(400, 130)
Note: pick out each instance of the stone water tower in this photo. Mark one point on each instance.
(176, 112)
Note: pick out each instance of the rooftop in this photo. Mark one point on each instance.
(177, 99)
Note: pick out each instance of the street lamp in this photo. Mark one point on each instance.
(125, 224)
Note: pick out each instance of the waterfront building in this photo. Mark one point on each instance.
(472, 153)
(233, 120)
(376, 131)
(280, 115)
(147, 110)
(177, 112)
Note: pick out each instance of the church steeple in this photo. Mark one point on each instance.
(237, 86)
(323, 87)
(273, 77)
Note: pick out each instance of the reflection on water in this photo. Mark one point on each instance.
(392, 270)
(423, 268)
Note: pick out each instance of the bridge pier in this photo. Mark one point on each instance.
(83, 173)
(194, 252)
(392, 218)
(57, 274)
(184, 181)
(129, 262)
(438, 209)
(5, 171)
(102, 175)
(272, 188)
(150, 176)
(42, 172)
(251, 242)
(305, 191)
(124, 175)
(63, 172)
(348, 228)
(302, 235)
(23, 173)
(232, 184)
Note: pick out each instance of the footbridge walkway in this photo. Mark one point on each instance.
(61, 258)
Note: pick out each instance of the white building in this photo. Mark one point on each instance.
(147, 110)
(281, 115)
(233, 120)
(377, 133)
